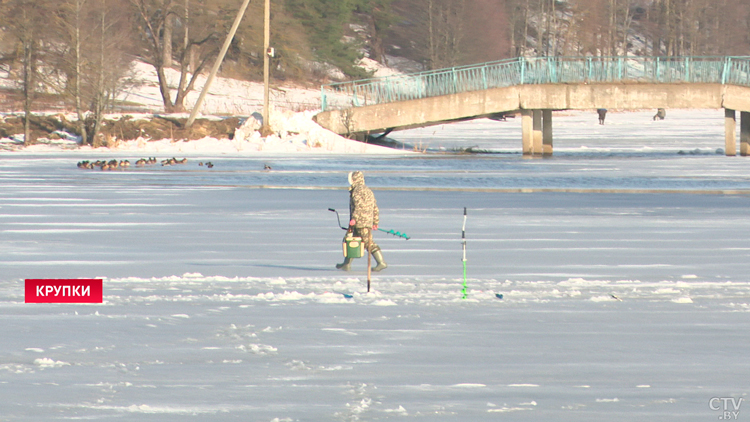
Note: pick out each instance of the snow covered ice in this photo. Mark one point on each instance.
(623, 265)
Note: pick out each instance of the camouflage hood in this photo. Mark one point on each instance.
(356, 178)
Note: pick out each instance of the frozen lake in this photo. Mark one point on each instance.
(623, 265)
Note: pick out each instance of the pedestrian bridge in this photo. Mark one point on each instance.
(537, 86)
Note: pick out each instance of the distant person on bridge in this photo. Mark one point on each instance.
(602, 114)
(364, 218)
(660, 114)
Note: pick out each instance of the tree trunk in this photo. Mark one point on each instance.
(98, 106)
(28, 88)
(612, 33)
(169, 106)
(540, 29)
(626, 23)
(552, 39)
(167, 40)
(512, 28)
(78, 65)
(186, 39)
(525, 28)
(157, 55)
(431, 34)
(668, 27)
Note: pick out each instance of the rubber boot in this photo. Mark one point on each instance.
(378, 255)
(346, 265)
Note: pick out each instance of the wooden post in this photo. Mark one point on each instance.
(369, 270)
(217, 63)
(730, 132)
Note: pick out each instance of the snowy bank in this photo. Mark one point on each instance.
(293, 132)
(292, 110)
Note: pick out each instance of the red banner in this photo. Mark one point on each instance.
(75, 290)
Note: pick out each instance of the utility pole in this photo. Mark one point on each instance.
(219, 59)
(265, 130)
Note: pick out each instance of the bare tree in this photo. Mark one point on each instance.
(696, 27)
(109, 63)
(444, 21)
(88, 59)
(27, 27)
(70, 21)
(518, 16)
(486, 32)
(625, 24)
(28, 40)
(202, 24)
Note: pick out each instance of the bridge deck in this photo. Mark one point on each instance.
(544, 70)
(422, 99)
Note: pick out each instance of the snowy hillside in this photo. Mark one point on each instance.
(291, 120)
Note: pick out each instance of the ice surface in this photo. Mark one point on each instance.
(623, 268)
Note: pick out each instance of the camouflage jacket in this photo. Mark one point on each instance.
(362, 205)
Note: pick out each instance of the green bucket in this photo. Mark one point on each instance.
(353, 247)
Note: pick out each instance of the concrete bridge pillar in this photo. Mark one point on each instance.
(527, 132)
(536, 132)
(538, 135)
(547, 132)
(745, 133)
(730, 132)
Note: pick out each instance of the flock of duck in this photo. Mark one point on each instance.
(114, 164)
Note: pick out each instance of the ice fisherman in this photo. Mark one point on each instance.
(364, 218)
(602, 114)
(661, 114)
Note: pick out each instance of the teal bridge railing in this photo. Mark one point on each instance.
(542, 70)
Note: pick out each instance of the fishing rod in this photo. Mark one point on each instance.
(393, 232)
(463, 242)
